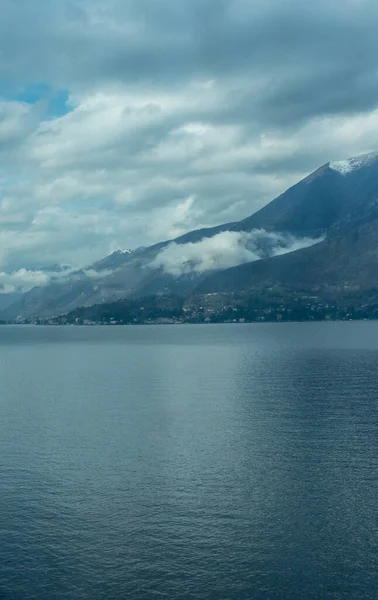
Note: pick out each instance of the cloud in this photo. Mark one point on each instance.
(22, 280)
(226, 250)
(172, 115)
(26, 279)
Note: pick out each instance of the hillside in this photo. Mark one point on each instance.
(347, 260)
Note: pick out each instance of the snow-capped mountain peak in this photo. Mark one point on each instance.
(353, 164)
(123, 251)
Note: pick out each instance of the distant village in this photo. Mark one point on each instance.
(208, 310)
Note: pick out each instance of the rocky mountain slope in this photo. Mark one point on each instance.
(336, 196)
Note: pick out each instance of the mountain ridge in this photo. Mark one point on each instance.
(322, 204)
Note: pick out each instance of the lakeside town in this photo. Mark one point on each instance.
(171, 310)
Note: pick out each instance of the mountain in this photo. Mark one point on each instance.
(7, 299)
(346, 262)
(336, 196)
(330, 196)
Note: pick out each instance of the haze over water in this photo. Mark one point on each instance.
(193, 462)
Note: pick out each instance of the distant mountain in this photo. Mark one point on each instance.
(7, 299)
(336, 196)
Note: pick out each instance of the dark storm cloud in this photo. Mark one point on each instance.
(301, 58)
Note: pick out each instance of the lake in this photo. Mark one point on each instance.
(235, 462)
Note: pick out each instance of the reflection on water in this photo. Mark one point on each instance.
(195, 462)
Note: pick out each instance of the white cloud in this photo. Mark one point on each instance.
(91, 180)
(26, 279)
(225, 250)
(22, 280)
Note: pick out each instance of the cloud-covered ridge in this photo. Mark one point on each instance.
(225, 250)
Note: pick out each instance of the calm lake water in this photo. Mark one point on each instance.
(189, 462)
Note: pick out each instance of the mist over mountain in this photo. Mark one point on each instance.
(303, 233)
(345, 262)
(225, 249)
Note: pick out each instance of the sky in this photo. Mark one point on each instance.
(128, 122)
